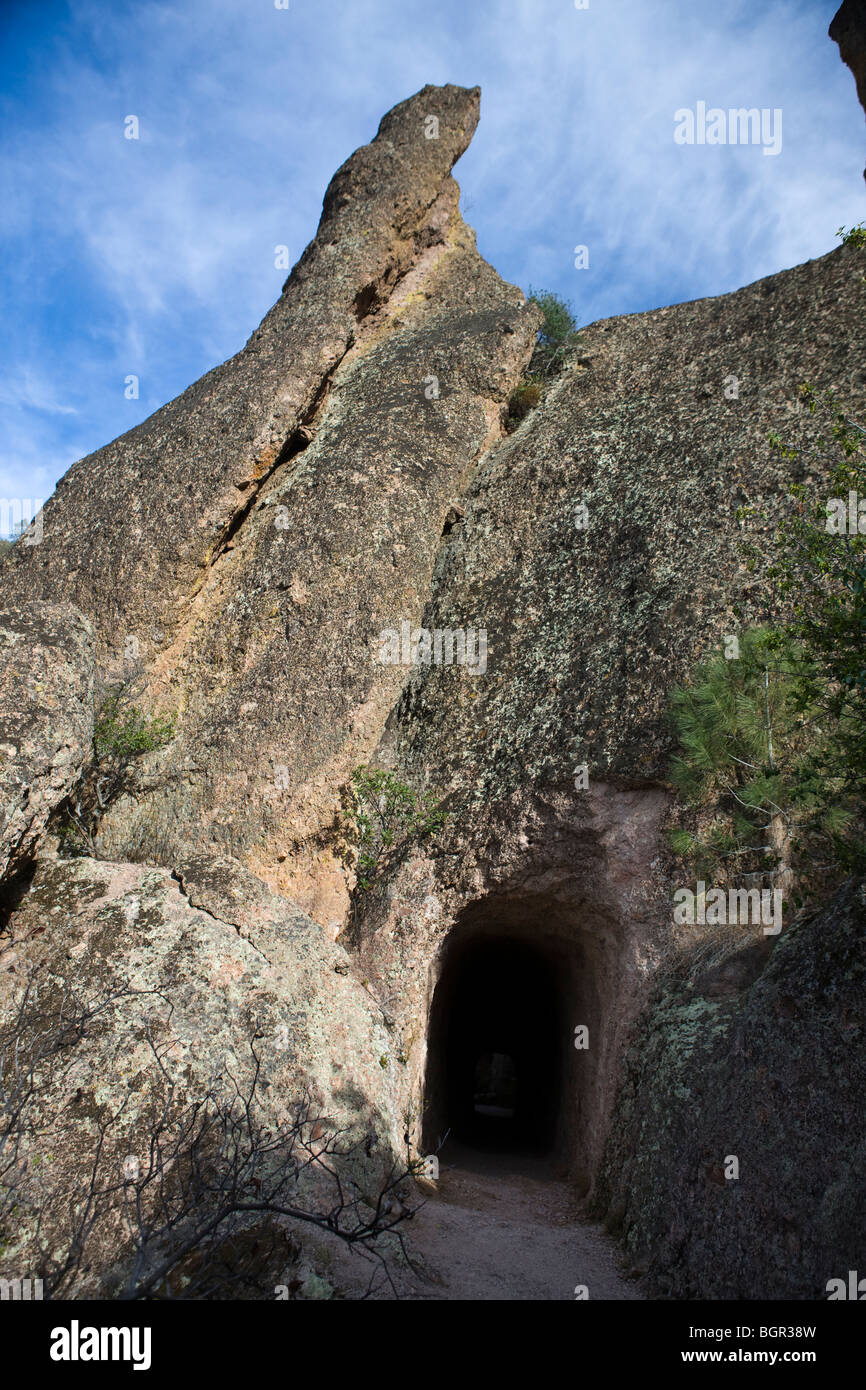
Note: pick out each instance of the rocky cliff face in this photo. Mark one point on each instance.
(46, 716)
(238, 558)
(765, 1068)
(257, 534)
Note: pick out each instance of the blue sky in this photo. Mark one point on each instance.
(155, 257)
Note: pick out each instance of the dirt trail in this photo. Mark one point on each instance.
(504, 1227)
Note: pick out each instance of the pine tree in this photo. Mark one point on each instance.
(772, 743)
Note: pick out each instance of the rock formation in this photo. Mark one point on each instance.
(848, 29)
(767, 1067)
(238, 557)
(46, 714)
(256, 534)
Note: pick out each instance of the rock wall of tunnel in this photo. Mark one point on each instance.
(526, 976)
(547, 921)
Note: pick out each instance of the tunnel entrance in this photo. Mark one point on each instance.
(495, 1047)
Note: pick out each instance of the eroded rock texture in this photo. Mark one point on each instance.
(661, 431)
(46, 719)
(149, 990)
(255, 536)
(770, 1072)
(216, 962)
(239, 556)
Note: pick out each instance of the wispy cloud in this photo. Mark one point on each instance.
(156, 256)
(28, 389)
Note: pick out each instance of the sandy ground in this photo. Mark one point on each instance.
(502, 1227)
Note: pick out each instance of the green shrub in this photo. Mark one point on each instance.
(123, 733)
(522, 400)
(557, 336)
(742, 736)
(853, 236)
(557, 339)
(384, 817)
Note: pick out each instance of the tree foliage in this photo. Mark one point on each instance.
(557, 339)
(557, 336)
(121, 731)
(384, 817)
(772, 743)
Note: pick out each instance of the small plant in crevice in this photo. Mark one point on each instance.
(557, 339)
(122, 733)
(524, 398)
(384, 817)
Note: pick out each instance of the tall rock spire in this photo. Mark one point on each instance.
(848, 30)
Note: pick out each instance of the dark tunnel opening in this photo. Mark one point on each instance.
(495, 1063)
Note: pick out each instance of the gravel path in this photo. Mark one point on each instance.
(505, 1227)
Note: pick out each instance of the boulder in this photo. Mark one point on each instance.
(139, 995)
(735, 1164)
